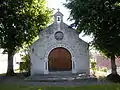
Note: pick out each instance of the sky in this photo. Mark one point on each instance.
(59, 4)
(55, 4)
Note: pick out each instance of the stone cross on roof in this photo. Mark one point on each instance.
(58, 9)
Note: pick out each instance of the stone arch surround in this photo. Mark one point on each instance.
(48, 50)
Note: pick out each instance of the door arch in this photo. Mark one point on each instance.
(59, 59)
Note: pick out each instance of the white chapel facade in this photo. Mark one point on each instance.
(59, 48)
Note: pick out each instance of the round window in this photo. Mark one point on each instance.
(59, 35)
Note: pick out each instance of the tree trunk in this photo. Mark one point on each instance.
(113, 65)
(10, 71)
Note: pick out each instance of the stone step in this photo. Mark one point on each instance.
(61, 75)
(60, 72)
(54, 77)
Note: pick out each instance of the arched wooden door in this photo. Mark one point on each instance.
(59, 59)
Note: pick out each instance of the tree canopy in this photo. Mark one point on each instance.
(101, 18)
(20, 22)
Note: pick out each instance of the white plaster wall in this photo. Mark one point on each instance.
(37, 66)
(47, 42)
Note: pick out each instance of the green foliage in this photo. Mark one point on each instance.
(20, 23)
(93, 67)
(103, 69)
(25, 64)
(100, 18)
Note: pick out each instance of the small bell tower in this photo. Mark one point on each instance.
(58, 17)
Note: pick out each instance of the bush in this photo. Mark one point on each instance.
(25, 64)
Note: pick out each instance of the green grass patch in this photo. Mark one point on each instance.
(2, 74)
(92, 87)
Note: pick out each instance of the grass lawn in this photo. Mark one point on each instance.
(93, 87)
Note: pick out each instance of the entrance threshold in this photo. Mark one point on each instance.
(60, 72)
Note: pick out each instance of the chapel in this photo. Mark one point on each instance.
(59, 49)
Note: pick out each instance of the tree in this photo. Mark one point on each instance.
(20, 22)
(100, 18)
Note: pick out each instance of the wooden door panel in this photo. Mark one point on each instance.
(59, 59)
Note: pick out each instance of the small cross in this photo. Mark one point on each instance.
(58, 9)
